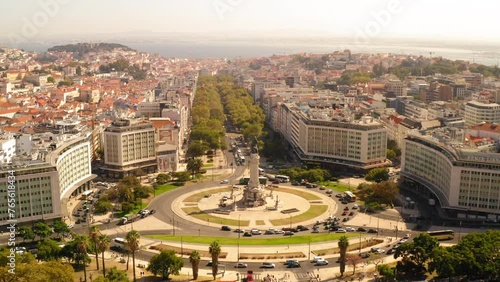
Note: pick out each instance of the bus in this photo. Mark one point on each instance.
(245, 180)
(349, 196)
(442, 234)
(86, 194)
(282, 178)
(120, 243)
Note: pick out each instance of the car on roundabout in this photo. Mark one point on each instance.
(321, 262)
(247, 234)
(267, 265)
(241, 265)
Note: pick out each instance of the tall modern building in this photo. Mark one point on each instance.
(129, 147)
(59, 167)
(320, 136)
(466, 182)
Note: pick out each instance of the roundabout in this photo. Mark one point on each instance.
(285, 207)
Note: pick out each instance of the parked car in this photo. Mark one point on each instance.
(346, 208)
(247, 234)
(372, 231)
(225, 181)
(341, 230)
(288, 233)
(338, 196)
(350, 229)
(225, 228)
(351, 213)
(329, 192)
(355, 207)
(267, 265)
(239, 230)
(361, 229)
(322, 188)
(345, 213)
(345, 219)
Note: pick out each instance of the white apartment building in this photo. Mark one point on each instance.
(321, 137)
(477, 112)
(466, 182)
(128, 148)
(43, 185)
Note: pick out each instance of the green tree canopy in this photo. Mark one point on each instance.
(42, 230)
(48, 250)
(165, 263)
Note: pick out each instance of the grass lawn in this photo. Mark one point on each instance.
(260, 222)
(278, 240)
(199, 196)
(208, 165)
(339, 187)
(199, 214)
(300, 193)
(165, 188)
(314, 211)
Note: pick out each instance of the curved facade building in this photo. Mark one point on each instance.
(43, 186)
(463, 180)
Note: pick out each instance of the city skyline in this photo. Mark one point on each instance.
(359, 21)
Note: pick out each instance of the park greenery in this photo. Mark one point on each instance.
(377, 196)
(123, 65)
(208, 118)
(475, 257)
(378, 174)
(311, 175)
(165, 263)
(129, 194)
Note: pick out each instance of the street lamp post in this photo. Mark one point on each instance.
(359, 242)
(378, 221)
(290, 224)
(239, 226)
(309, 254)
(238, 249)
(199, 232)
(182, 249)
(460, 232)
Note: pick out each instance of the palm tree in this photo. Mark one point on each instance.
(194, 259)
(215, 251)
(103, 245)
(133, 245)
(93, 236)
(343, 244)
(82, 243)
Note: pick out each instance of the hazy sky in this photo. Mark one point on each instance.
(468, 20)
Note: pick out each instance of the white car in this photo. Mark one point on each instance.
(315, 259)
(256, 232)
(341, 230)
(225, 181)
(403, 241)
(321, 262)
(350, 229)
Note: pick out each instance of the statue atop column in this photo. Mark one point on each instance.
(253, 194)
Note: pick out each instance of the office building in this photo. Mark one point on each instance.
(129, 149)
